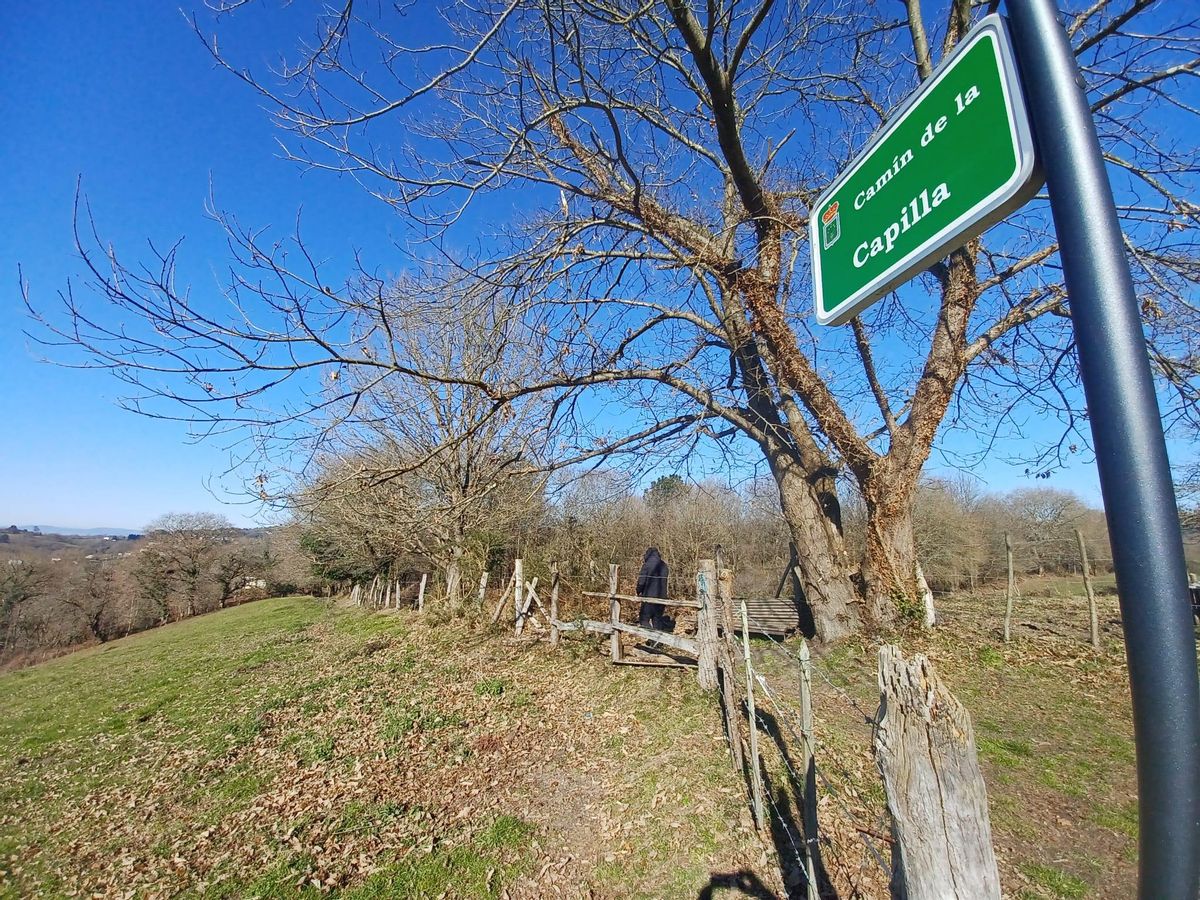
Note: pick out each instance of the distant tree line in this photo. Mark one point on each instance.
(185, 564)
(603, 517)
(188, 564)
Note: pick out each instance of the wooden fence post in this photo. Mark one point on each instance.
(725, 659)
(614, 609)
(421, 593)
(1008, 598)
(482, 587)
(553, 604)
(810, 771)
(755, 771)
(387, 598)
(518, 592)
(706, 625)
(454, 581)
(925, 750)
(1093, 618)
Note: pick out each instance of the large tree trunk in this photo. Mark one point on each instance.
(889, 567)
(825, 572)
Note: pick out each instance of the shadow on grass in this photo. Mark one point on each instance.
(744, 882)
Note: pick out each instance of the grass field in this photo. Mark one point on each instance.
(293, 748)
(290, 748)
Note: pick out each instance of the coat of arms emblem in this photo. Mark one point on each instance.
(831, 226)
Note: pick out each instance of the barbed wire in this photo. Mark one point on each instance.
(781, 649)
(830, 789)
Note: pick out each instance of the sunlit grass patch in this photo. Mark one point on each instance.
(1055, 882)
(505, 832)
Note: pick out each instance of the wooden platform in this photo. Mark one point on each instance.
(776, 616)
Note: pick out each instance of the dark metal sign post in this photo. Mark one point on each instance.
(1131, 454)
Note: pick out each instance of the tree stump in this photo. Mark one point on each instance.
(925, 749)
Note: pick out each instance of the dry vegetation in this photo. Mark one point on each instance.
(290, 748)
(60, 592)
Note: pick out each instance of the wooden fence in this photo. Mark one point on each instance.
(926, 760)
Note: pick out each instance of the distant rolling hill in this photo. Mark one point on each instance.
(85, 532)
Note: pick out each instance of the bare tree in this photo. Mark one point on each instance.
(21, 582)
(153, 590)
(670, 156)
(428, 465)
(94, 594)
(1044, 521)
(181, 554)
(237, 569)
(951, 540)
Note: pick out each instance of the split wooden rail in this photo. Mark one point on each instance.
(699, 647)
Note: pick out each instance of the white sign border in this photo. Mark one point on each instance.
(1020, 186)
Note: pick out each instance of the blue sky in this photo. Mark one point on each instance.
(124, 96)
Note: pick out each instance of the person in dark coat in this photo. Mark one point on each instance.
(652, 584)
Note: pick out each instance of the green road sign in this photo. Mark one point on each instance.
(956, 158)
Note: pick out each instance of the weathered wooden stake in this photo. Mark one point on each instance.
(503, 598)
(810, 771)
(1093, 617)
(421, 593)
(530, 597)
(925, 750)
(614, 610)
(482, 587)
(553, 604)
(454, 581)
(1008, 599)
(518, 592)
(387, 600)
(755, 764)
(706, 625)
(726, 653)
(926, 599)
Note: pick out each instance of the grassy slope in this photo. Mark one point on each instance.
(289, 748)
(260, 750)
